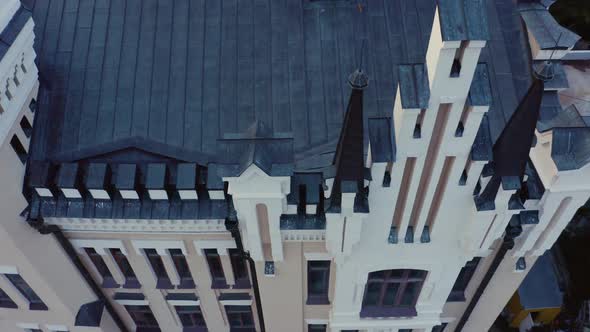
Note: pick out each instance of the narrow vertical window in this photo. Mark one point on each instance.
(107, 278)
(186, 279)
(318, 282)
(6, 301)
(19, 283)
(123, 264)
(240, 318)
(26, 126)
(238, 264)
(163, 281)
(191, 317)
(19, 149)
(216, 269)
(143, 317)
(465, 275)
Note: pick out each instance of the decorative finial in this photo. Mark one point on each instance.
(358, 79)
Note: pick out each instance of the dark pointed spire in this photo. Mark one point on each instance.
(511, 150)
(349, 158)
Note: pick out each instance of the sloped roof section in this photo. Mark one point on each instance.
(544, 28)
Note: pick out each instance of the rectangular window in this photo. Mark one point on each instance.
(392, 293)
(190, 316)
(216, 269)
(6, 301)
(458, 291)
(143, 317)
(107, 278)
(316, 328)
(19, 149)
(123, 264)
(318, 282)
(439, 328)
(186, 278)
(26, 126)
(163, 281)
(19, 283)
(240, 318)
(405, 330)
(238, 264)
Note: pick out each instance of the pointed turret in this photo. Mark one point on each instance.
(349, 158)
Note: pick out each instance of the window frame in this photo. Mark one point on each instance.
(218, 279)
(239, 268)
(323, 297)
(400, 277)
(35, 302)
(126, 269)
(242, 311)
(145, 309)
(191, 310)
(19, 149)
(463, 279)
(181, 265)
(158, 268)
(108, 281)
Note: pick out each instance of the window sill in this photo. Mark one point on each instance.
(380, 312)
(317, 300)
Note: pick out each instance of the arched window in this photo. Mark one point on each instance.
(392, 293)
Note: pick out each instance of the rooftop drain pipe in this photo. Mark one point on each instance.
(231, 224)
(43, 228)
(513, 230)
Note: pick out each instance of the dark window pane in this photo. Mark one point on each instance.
(6, 301)
(378, 275)
(159, 269)
(190, 316)
(373, 293)
(26, 126)
(405, 330)
(390, 293)
(142, 316)
(393, 294)
(181, 265)
(410, 294)
(19, 283)
(316, 328)
(123, 264)
(318, 282)
(19, 149)
(239, 267)
(98, 262)
(215, 267)
(239, 316)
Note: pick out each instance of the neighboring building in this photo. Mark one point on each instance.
(279, 165)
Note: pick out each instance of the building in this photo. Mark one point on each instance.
(292, 165)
